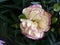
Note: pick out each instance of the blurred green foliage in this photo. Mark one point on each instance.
(56, 7)
(54, 20)
(22, 16)
(10, 14)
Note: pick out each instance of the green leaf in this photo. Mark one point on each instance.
(52, 29)
(56, 7)
(22, 44)
(4, 11)
(3, 29)
(11, 6)
(59, 31)
(22, 16)
(53, 38)
(58, 43)
(5, 19)
(17, 2)
(50, 41)
(14, 17)
(2, 0)
(14, 25)
(35, 2)
(54, 20)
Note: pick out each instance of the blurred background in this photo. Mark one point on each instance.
(10, 11)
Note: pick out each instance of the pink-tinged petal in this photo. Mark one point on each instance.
(38, 36)
(38, 21)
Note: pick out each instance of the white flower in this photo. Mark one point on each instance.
(30, 29)
(38, 21)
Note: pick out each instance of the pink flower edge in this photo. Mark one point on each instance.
(45, 29)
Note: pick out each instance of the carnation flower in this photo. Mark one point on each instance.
(38, 21)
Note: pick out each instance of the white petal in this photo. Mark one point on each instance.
(23, 10)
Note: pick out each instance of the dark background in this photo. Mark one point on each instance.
(10, 11)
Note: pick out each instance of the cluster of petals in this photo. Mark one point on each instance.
(38, 21)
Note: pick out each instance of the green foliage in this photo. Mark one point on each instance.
(11, 13)
(2, 0)
(22, 16)
(56, 7)
(54, 20)
(14, 25)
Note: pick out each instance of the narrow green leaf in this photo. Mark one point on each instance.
(17, 2)
(4, 11)
(59, 31)
(11, 6)
(14, 17)
(50, 41)
(4, 29)
(58, 43)
(2, 0)
(5, 19)
(52, 29)
(22, 16)
(22, 44)
(14, 25)
(35, 2)
(53, 38)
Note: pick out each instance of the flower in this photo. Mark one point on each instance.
(30, 29)
(38, 21)
(1, 42)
